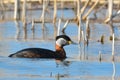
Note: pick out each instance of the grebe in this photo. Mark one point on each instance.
(61, 41)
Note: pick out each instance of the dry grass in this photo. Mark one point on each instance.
(100, 1)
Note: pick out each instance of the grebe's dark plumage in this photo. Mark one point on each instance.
(61, 41)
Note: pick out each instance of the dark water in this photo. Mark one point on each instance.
(73, 68)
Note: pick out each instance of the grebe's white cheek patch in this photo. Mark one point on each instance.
(61, 42)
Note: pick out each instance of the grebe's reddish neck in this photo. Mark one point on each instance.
(60, 51)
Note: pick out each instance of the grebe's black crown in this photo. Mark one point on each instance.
(63, 36)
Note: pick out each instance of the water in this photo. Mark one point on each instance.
(73, 68)
(45, 69)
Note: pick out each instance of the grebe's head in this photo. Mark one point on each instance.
(63, 40)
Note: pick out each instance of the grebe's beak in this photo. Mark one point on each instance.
(71, 42)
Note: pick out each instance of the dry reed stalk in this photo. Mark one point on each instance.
(90, 10)
(113, 46)
(110, 11)
(17, 10)
(85, 6)
(64, 27)
(55, 12)
(79, 20)
(58, 31)
(24, 11)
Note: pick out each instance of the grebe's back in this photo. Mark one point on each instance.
(34, 53)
